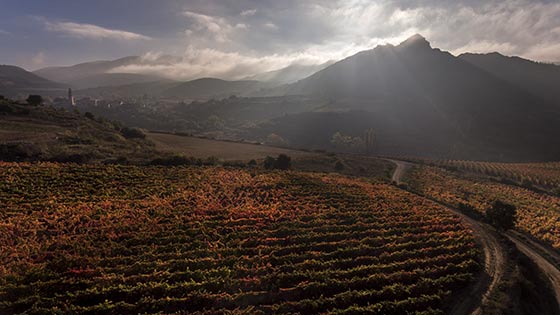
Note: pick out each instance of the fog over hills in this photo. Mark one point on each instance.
(97, 73)
(418, 100)
(289, 74)
(414, 94)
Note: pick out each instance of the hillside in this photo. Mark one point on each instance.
(152, 88)
(15, 80)
(133, 240)
(289, 74)
(541, 79)
(207, 88)
(444, 106)
(97, 73)
(41, 133)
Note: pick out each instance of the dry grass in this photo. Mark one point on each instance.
(224, 150)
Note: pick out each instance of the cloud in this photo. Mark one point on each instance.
(270, 34)
(271, 26)
(248, 12)
(90, 31)
(3, 32)
(38, 59)
(205, 62)
(218, 28)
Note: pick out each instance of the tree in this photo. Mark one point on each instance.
(501, 215)
(252, 163)
(132, 133)
(34, 100)
(283, 162)
(269, 162)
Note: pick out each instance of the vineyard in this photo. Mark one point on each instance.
(127, 240)
(538, 214)
(546, 175)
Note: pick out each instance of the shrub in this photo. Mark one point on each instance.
(269, 162)
(133, 133)
(34, 100)
(89, 115)
(19, 151)
(174, 160)
(5, 108)
(79, 158)
(283, 162)
(252, 163)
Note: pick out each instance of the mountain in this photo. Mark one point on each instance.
(541, 79)
(98, 73)
(200, 89)
(15, 80)
(289, 74)
(424, 101)
(152, 88)
(207, 88)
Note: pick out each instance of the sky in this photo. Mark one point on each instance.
(232, 39)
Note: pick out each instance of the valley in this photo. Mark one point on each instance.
(280, 157)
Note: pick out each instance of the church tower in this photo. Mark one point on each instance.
(71, 98)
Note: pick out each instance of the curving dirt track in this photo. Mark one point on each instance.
(495, 257)
(535, 252)
(400, 171)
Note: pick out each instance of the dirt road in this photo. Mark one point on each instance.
(535, 252)
(494, 257)
(494, 261)
(400, 171)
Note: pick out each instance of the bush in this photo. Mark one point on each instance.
(15, 152)
(269, 162)
(5, 108)
(89, 115)
(34, 100)
(133, 133)
(173, 160)
(501, 215)
(79, 158)
(283, 162)
(252, 163)
(525, 183)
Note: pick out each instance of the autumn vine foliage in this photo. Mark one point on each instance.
(127, 240)
(545, 175)
(537, 214)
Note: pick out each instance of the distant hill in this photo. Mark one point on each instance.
(541, 79)
(448, 106)
(152, 88)
(289, 74)
(207, 88)
(97, 73)
(15, 80)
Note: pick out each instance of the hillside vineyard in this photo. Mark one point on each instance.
(128, 240)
